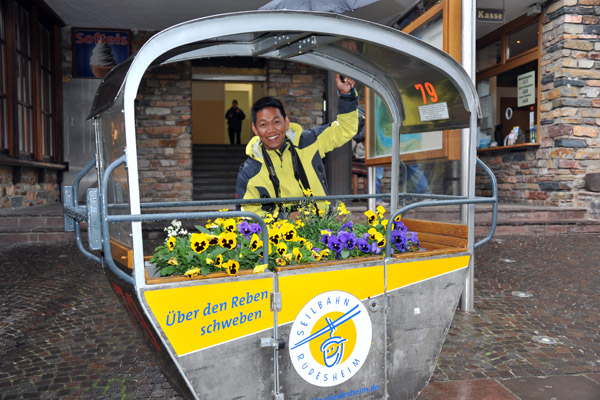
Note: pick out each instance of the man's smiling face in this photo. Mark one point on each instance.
(270, 127)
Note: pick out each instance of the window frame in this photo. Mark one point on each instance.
(507, 64)
(42, 151)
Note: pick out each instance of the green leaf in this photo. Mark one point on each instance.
(204, 270)
(345, 253)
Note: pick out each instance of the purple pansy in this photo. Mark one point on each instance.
(348, 239)
(363, 245)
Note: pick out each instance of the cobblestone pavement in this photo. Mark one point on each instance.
(64, 334)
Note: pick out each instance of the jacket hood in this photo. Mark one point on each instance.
(253, 147)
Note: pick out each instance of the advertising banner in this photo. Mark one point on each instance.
(97, 51)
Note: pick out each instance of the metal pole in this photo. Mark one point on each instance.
(468, 152)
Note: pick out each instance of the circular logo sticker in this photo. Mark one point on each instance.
(330, 338)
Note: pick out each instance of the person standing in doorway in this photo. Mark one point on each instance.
(234, 117)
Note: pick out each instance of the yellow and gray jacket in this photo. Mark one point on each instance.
(311, 145)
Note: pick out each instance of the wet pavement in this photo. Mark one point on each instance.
(534, 334)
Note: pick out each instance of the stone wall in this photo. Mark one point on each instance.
(164, 134)
(554, 174)
(300, 88)
(29, 191)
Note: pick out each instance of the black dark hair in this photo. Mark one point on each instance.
(267, 102)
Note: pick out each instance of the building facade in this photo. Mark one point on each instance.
(555, 164)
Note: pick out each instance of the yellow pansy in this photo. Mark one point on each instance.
(192, 272)
(288, 257)
(199, 242)
(372, 232)
(229, 225)
(209, 261)
(281, 248)
(380, 211)
(228, 240)
(232, 267)
(171, 242)
(288, 232)
(299, 223)
(172, 261)
(213, 240)
(308, 192)
(219, 261)
(371, 217)
(316, 255)
(255, 242)
(297, 254)
(280, 262)
(268, 219)
(398, 218)
(259, 268)
(274, 236)
(384, 222)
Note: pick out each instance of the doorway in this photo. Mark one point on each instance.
(210, 102)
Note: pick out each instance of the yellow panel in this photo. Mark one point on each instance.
(197, 317)
(404, 274)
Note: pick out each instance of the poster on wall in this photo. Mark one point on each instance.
(97, 51)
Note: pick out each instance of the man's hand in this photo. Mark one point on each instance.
(344, 86)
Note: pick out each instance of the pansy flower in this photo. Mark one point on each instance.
(363, 245)
(375, 249)
(219, 261)
(371, 217)
(229, 225)
(347, 239)
(274, 236)
(399, 239)
(255, 228)
(228, 240)
(245, 229)
(281, 248)
(172, 261)
(348, 226)
(232, 267)
(213, 240)
(288, 232)
(199, 242)
(380, 211)
(255, 242)
(259, 268)
(297, 254)
(316, 254)
(280, 261)
(335, 244)
(288, 257)
(414, 239)
(171, 243)
(372, 233)
(192, 272)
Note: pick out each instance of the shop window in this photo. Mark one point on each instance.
(522, 41)
(508, 86)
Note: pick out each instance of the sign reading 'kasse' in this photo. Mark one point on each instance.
(526, 89)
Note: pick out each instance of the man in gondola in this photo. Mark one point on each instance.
(285, 160)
